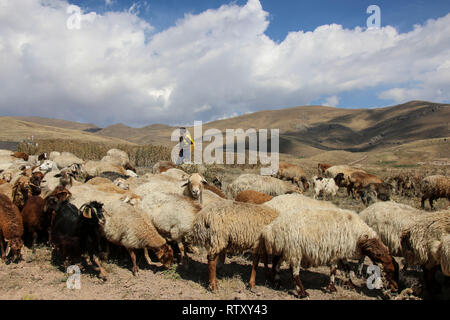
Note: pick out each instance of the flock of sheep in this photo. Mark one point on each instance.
(83, 208)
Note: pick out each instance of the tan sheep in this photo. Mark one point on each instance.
(265, 184)
(229, 226)
(128, 227)
(311, 237)
(293, 173)
(425, 243)
(435, 187)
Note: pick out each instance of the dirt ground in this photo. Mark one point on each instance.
(37, 277)
(40, 276)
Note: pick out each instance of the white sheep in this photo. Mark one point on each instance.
(48, 165)
(311, 237)
(172, 215)
(265, 184)
(389, 220)
(117, 157)
(326, 186)
(95, 168)
(230, 227)
(426, 243)
(65, 159)
(177, 174)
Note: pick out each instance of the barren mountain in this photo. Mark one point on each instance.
(17, 130)
(304, 131)
(309, 130)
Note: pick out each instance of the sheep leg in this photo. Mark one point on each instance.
(276, 265)
(147, 257)
(300, 290)
(183, 255)
(49, 231)
(33, 242)
(133, 259)
(222, 257)
(431, 202)
(331, 287)
(212, 264)
(2, 248)
(251, 283)
(266, 264)
(430, 281)
(103, 272)
(348, 283)
(361, 266)
(423, 202)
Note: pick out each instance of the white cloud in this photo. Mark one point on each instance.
(116, 69)
(332, 101)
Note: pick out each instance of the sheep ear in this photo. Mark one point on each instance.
(87, 213)
(57, 175)
(185, 185)
(204, 181)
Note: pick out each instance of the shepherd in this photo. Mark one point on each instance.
(187, 145)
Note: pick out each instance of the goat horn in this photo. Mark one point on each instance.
(8, 248)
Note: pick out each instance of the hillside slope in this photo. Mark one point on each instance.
(308, 130)
(17, 130)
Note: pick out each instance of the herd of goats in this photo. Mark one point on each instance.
(83, 209)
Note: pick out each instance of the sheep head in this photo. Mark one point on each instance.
(165, 255)
(15, 245)
(195, 185)
(94, 212)
(379, 253)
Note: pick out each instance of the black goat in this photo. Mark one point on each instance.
(77, 232)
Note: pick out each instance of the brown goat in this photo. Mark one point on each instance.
(37, 216)
(20, 155)
(22, 190)
(358, 180)
(251, 196)
(11, 228)
(293, 173)
(58, 195)
(322, 167)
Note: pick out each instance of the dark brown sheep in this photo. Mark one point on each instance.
(37, 216)
(11, 228)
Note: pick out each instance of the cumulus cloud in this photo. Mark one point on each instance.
(216, 63)
(332, 101)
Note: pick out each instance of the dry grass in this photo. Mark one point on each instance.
(140, 156)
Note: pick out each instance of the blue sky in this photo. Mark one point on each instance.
(176, 61)
(288, 15)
